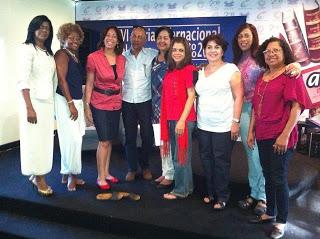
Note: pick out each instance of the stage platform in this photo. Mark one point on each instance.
(152, 216)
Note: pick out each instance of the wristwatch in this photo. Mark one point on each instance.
(234, 120)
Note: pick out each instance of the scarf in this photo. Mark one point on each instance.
(180, 93)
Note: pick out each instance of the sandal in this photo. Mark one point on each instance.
(79, 181)
(112, 179)
(171, 196)
(72, 183)
(207, 199)
(247, 203)
(222, 206)
(260, 208)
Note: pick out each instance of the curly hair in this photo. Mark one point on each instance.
(237, 52)
(66, 29)
(287, 53)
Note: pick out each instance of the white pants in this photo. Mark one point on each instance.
(167, 164)
(36, 140)
(70, 134)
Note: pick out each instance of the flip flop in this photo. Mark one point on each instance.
(115, 196)
(104, 196)
(207, 200)
(222, 206)
(171, 196)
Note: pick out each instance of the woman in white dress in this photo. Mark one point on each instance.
(37, 84)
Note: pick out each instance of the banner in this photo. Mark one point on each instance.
(193, 29)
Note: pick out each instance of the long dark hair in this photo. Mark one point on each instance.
(34, 25)
(237, 52)
(187, 58)
(119, 47)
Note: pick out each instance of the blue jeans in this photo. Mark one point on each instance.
(134, 114)
(183, 185)
(215, 153)
(255, 175)
(275, 171)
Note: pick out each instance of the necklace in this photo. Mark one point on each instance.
(261, 95)
(266, 79)
(41, 49)
(270, 76)
(72, 54)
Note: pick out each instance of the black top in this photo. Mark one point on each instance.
(74, 79)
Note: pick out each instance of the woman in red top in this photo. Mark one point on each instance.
(105, 72)
(177, 117)
(277, 103)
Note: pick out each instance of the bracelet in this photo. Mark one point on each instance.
(236, 120)
(70, 102)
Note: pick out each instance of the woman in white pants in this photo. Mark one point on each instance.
(69, 104)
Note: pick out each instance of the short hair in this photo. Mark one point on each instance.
(218, 39)
(35, 25)
(139, 26)
(66, 29)
(287, 53)
(187, 58)
(237, 52)
(119, 47)
(164, 28)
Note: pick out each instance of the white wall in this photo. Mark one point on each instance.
(15, 16)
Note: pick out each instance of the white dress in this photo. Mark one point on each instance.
(38, 74)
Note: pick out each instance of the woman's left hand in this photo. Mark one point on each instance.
(180, 127)
(235, 129)
(293, 69)
(280, 146)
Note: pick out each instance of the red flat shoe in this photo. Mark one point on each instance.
(103, 186)
(112, 179)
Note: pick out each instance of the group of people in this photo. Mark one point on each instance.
(258, 96)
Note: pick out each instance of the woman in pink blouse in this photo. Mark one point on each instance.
(277, 103)
(105, 72)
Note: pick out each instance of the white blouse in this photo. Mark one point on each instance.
(37, 72)
(215, 100)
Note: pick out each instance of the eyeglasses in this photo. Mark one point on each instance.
(275, 51)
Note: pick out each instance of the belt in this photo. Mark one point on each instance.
(107, 91)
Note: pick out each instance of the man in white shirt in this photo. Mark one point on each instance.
(136, 105)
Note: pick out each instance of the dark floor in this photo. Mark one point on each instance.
(150, 217)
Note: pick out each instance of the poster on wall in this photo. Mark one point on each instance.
(301, 30)
(193, 29)
(295, 21)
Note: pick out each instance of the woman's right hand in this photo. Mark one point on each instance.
(31, 115)
(73, 111)
(250, 140)
(88, 114)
